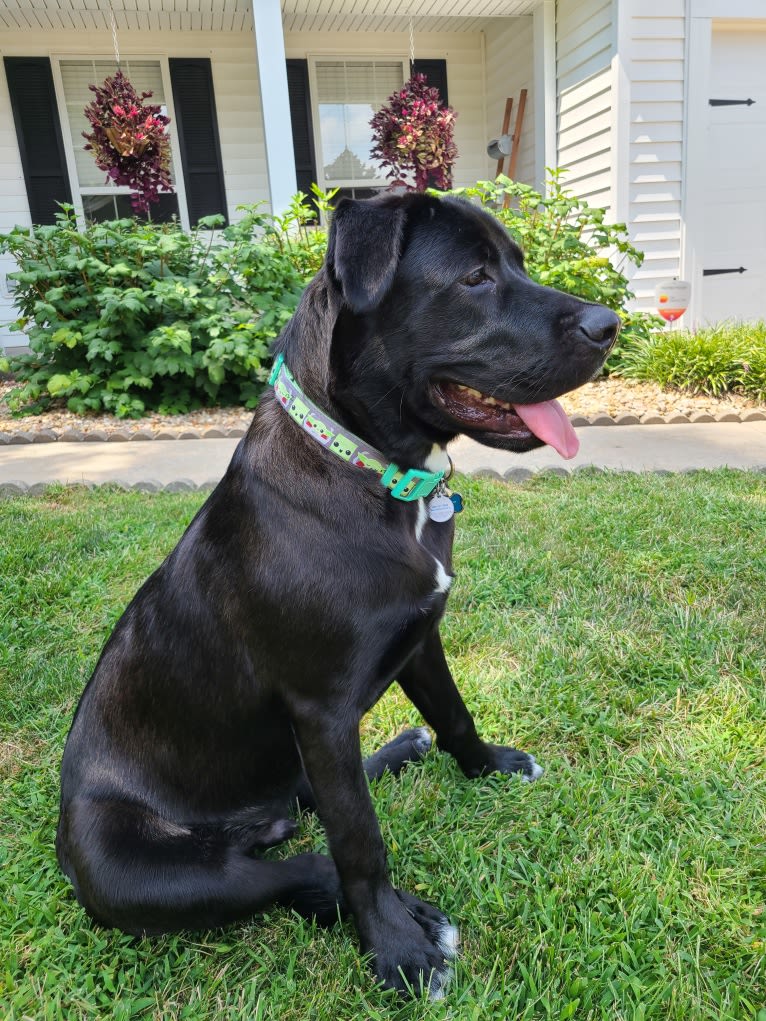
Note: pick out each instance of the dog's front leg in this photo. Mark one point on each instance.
(427, 681)
(408, 939)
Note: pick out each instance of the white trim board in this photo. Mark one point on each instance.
(755, 9)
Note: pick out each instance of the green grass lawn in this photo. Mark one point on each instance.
(613, 625)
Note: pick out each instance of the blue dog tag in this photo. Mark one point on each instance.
(457, 502)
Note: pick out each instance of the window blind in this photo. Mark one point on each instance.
(358, 81)
(349, 92)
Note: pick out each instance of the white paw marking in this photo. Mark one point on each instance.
(424, 735)
(437, 987)
(448, 940)
(537, 771)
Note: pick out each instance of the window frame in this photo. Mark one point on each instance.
(318, 58)
(56, 60)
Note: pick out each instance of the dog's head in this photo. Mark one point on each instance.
(441, 331)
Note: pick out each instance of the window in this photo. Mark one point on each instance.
(99, 198)
(347, 94)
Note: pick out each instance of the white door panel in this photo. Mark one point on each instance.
(735, 207)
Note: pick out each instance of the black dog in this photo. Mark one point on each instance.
(234, 684)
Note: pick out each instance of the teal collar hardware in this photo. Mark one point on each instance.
(403, 485)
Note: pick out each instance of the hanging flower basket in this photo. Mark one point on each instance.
(413, 135)
(129, 141)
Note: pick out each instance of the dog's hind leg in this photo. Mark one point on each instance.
(409, 746)
(135, 871)
(257, 828)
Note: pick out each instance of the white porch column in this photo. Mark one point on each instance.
(544, 46)
(275, 103)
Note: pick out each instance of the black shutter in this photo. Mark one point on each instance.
(35, 114)
(436, 75)
(197, 127)
(303, 129)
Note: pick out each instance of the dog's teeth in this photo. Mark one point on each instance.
(484, 398)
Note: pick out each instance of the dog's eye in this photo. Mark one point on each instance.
(474, 279)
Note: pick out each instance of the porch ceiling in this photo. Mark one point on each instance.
(236, 15)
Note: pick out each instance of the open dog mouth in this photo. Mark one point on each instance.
(476, 411)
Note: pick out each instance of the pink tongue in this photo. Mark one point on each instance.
(549, 422)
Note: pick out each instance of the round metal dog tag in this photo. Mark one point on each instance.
(440, 508)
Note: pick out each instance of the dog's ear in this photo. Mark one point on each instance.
(363, 249)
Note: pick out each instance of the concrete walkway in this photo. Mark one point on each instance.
(193, 463)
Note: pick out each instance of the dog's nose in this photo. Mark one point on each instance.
(599, 325)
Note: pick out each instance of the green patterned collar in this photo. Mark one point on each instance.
(403, 485)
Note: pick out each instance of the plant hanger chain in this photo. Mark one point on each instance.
(412, 47)
(114, 34)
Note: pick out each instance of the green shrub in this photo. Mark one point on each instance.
(127, 317)
(726, 357)
(568, 245)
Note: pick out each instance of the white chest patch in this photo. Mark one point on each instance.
(443, 580)
(438, 460)
(420, 524)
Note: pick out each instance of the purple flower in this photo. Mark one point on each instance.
(128, 140)
(413, 133)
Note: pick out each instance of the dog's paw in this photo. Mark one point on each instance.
(508, 760)
(409, 746)
(275, 833)
(412, 744)
(537, 771)
(321, 896)
(415, 950)
(434, 923)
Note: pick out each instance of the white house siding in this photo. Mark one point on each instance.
(13, 206)
(654, 56)
(509, 69)
(13, 196)
(462, 51)
(585, 43)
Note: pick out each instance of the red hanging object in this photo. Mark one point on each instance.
(413, 134)
(129, 141)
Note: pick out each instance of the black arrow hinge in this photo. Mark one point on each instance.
(718, 272)
(731, 102)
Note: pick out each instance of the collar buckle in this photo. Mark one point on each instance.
(412, 485)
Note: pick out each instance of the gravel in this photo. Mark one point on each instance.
(611, 398)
